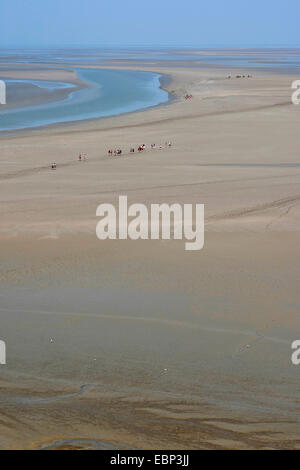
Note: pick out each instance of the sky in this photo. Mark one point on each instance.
(187, 23)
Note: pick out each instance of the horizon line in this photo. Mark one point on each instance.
(181, 46)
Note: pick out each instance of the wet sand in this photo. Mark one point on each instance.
(140, 344)
(19, 95)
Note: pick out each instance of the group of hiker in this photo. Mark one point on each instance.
(115, 152)
(83, 156)
(139, 149)
(240, 76)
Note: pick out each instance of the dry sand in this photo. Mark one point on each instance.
(141, 344)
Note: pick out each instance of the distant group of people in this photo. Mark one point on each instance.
(83, 156)
(240, 76)
(139, 149)
(188, 97)
(115, 152)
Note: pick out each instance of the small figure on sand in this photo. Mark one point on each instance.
(79, 157)
(53, 166)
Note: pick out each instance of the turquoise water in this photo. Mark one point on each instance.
(112, 92)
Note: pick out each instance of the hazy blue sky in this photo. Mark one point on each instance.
(149, 22)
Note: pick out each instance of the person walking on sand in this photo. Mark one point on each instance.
(79, 157)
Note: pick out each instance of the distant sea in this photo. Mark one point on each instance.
(279, 58)
(114, 92)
